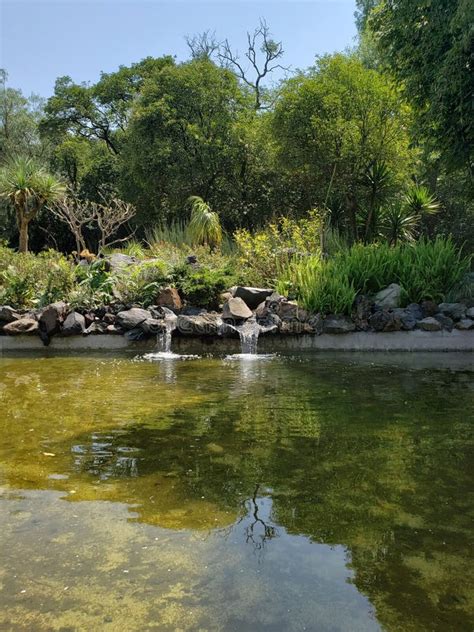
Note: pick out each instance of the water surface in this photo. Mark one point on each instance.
(320, 492)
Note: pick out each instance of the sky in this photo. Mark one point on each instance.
(41, 40)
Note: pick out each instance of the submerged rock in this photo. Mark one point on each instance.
(389, 297)
(21, 326)
(237, 309)
(429, 324)
(338, 324)
(252, 296)
(131, 318)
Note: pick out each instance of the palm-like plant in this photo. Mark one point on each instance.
(28, 187)
(419, 201)
(204, 226)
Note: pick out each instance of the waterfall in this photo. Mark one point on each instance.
(248, 334)
(163, 339)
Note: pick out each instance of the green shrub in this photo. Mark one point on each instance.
(94, 286)
(141, 283)
(203, 286)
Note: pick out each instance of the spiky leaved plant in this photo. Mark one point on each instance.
(204, 226)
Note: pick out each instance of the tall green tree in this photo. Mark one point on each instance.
(335, 127)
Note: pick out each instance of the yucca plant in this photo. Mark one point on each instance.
(204, 226)
(401, 220)
(28, 187)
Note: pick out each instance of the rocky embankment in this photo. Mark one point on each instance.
(274, 314)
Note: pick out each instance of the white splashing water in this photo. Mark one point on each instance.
(163, 339)
(248, 334)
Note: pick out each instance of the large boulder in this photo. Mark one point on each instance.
(153, 326)
(131, 318)
(236, 309)
(407, 317)
(389, 297)
(204, 324)
(21, 326)
(290, 310)
(252, 296)
(74, 325)
(429, 324)
(428, 308)
(169, 297)
(456, 311)
(8, 314)
(119, 261)
(338, 324)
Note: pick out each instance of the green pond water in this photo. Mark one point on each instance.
(314, 492)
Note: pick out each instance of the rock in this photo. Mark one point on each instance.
(389, 297)
(205, 324)
(407, 317)
(21, 326)
(295, 327)
(51, 318)
(237, 309)
(119, 261)
(445, 322)
(384, 320)
(191, 260)
(74, 325)
(415, 309)
(316, 323)
(112, 329)
(361, 312)
(109, 318)
(153, 326)
(465, 324)
(336, 324)
(135, 334)
(97, 327)
(469, 313)
(428, 308)
(131, 318)
(170, 298)
(273, 301)
(252, 296)
(8, 314)
(290, 310)
(270, 324)
(429, 324)
(456, 311)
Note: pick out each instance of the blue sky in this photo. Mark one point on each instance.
(41, 40)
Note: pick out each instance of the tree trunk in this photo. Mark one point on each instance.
(23, 245)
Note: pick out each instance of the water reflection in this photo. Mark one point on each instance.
(302, 490)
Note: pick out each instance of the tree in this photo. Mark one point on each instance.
(28, 187)
(184, 139)
(263, 54)
(428, 47)
(332, 125)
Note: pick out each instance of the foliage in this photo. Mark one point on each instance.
(318, 286)
(28, 280)
(204, 226)
(332, 125)
(264, 252)
(94, 286)
(141, 283)
(203, 286)
(424, 270)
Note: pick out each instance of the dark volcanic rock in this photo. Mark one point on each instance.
(50, 319)
(456, 311)
(445, 322)
(429, 324)
(407, 318)
(465, 324)
(384, 320)
(428, 308)
(8, 314)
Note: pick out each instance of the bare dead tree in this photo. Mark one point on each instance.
(263, 53)
(203, 45)
(76, 214)
(110, 216)
(106, 216)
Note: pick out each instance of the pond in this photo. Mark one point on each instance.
(313, 492)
